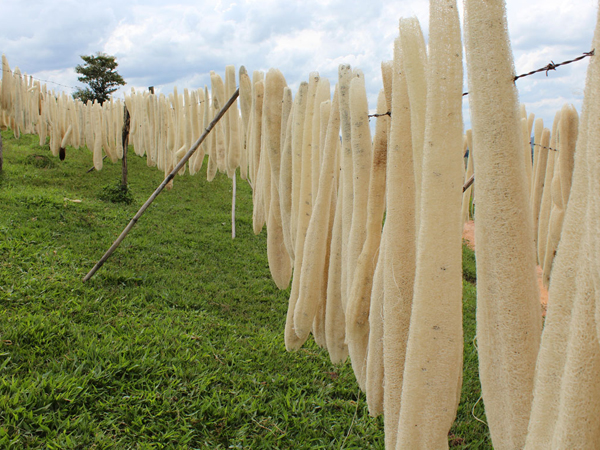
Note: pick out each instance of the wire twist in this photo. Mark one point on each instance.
(389, 113)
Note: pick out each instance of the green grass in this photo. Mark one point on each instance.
(469, 266)
(177, 341)
(117, 193)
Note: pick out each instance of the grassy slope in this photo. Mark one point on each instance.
(177, 342)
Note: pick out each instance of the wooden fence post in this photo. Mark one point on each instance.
(126, 124)
(234, 189)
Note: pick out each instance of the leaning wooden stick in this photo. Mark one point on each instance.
(469, 182)
(162, 186)
(91, 169)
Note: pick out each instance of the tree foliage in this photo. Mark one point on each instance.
(100, 75)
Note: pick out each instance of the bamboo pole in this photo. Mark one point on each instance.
(162, 186)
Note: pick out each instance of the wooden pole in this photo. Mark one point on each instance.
(125, 137)
(162, 186)
(1, 155)
(469, 182)
(233, 205)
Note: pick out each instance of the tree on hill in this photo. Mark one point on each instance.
(100, 75)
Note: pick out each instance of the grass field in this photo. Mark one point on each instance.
(177, 341)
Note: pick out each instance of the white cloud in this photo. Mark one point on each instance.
(180, 42)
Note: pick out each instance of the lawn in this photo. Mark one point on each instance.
(177, 341)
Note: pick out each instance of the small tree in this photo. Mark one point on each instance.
(99, 74)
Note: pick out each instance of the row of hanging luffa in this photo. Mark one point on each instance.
(389, 294)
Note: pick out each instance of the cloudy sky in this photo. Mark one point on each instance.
(166, 44)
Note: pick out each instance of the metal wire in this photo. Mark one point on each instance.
(551, 66)
(547, 148)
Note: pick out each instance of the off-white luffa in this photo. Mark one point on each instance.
(508, 308)
(433, 369)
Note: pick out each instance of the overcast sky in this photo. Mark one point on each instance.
(179, 43)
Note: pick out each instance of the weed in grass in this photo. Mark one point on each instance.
(116, 193)
(41, 161)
